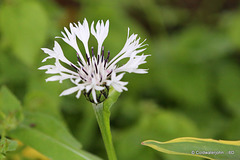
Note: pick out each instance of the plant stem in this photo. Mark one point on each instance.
(103, 119)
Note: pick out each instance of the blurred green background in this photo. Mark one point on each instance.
(193, 84)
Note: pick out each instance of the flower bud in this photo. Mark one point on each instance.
(101, 95)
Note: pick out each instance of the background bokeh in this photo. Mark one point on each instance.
(193, 84)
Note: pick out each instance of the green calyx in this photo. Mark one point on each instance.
(100, 95)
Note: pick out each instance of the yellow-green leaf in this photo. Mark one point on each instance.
(205, 148)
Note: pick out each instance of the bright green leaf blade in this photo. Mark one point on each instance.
(10, 110)
(8, 102)
(205, 148)
(52, 127)
(48, 136)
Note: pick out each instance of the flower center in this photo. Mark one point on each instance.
(95, 70)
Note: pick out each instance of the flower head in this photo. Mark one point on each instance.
(93, 73)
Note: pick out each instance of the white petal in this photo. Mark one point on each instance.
(116, 83)
(88, 88)
(69, 91)
(92, 29)
(120, 76)
(59, 53)
(122, 83)
(52, 71)
(60, 68)
(60, 77)
(98, 88)
(79, 94)
(48, 51)
(131, 48)
(98, 28)
(70, 39)
(54, 78)
(132, 65)
(45, 67)
(117, 87)
(82, 32)
(100, 34)
(94, 95)
(44, 60)
(106, 28)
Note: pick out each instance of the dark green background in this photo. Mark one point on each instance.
(193, 84)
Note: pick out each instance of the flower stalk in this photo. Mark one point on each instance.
(103, 118)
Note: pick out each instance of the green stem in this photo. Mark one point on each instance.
(103, 119)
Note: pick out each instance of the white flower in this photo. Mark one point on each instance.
(94, 74)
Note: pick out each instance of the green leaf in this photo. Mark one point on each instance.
(8, 102)
(48, 136)
(7, 145)
(10, 117)
(23, 25)
(12, 145)
(10, 110)
(205, 148)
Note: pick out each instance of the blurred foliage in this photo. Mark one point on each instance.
(39, 130)
(192, 88)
